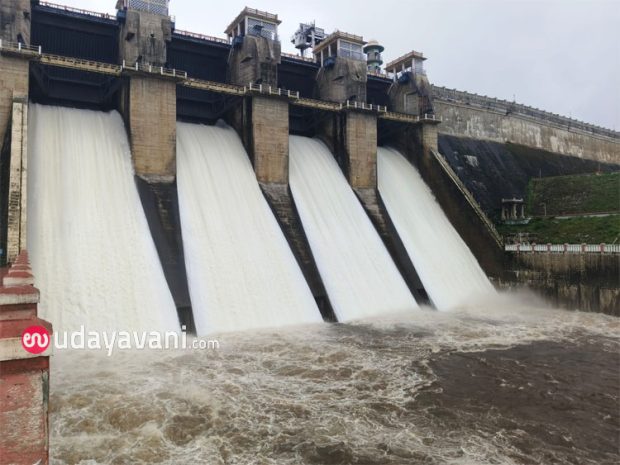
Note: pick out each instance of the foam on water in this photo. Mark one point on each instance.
(241, 271)
(448, 270)
(369, 392)
(91, 250)
(359, 275)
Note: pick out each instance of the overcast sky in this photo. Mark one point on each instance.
(562, 56)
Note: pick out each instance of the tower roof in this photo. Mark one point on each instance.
(372, 43)
(334, 36)
(405, 59)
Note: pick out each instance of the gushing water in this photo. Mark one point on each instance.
(359, 275)
(89, 241)
(499, 383)
(447, 268)
(242, 273)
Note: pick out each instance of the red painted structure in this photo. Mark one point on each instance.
(24, 377)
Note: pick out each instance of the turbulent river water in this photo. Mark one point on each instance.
(501, 382)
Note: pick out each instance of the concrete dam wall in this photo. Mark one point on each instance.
(587, 282)
(477, 117)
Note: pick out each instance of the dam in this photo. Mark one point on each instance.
(334, 220)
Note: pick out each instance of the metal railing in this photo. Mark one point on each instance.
(212, 86)
(18, 47)
(345, 35)
(469, 197)
(363, 106)
(77, 10)
(403, 117)
(317, 104)
(407, 56)
(431, 117)
(271, 90)
(564, 248)
(195, 35)
(84, 65)
(297, 57)
(159, 7)
(155, 70)
(294, 97)
(264, 14)
(381, 74)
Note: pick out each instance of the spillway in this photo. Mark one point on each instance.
(241, 271)
(447, 268)
(89, 242)
(359, 275)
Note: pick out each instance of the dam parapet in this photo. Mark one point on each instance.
(480, 117)
(148, 101)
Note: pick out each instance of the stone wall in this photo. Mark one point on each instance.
(412, 97)
(15, 20)
(477, 117)
(270, 139)
(255, 61)
(345, 80)
(587, 282)
(144, 38)
(149, 107)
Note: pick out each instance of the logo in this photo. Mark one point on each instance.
(35, 339)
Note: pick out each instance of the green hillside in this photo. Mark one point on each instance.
(576, 230)
(578, 197)
(569, 195)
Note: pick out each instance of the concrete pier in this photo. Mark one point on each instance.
(148, 102)
(270, 129)
(149, 108)
(360, 144)
(18, 177)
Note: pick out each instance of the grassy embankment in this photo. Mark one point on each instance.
(579, 195)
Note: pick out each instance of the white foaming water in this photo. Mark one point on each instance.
(372, 393)
(91, 250)
(241, 271)
(447, 268)
(359, 275)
